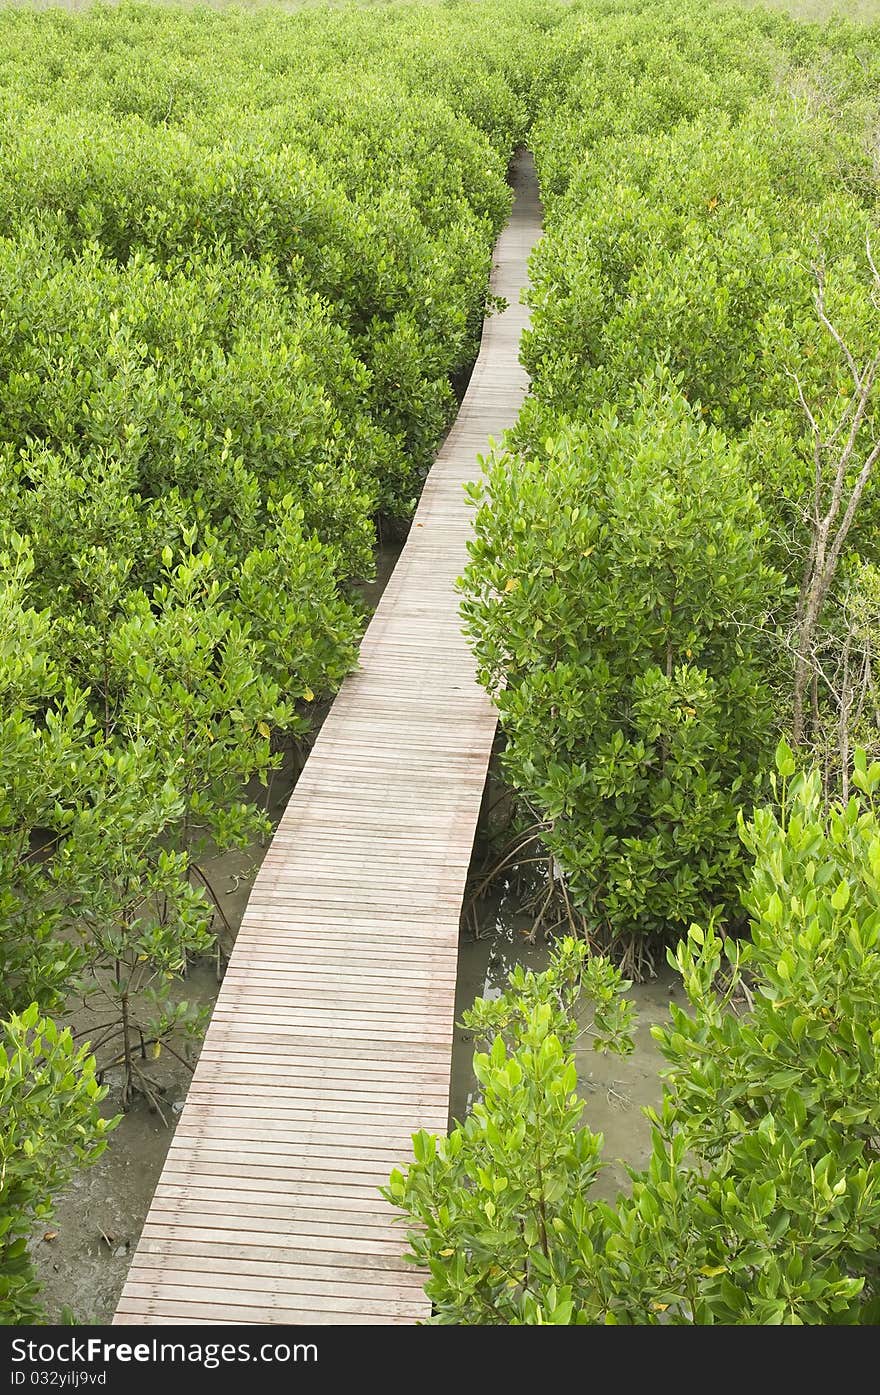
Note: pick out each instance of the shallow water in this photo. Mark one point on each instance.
(616, 1088)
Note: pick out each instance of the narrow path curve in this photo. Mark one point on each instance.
(331, 1039)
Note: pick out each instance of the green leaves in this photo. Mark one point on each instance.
(785, 762)
(49, 1124)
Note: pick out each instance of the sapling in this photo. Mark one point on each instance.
(50, 1124)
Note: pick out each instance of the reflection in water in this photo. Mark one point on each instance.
(483, 967)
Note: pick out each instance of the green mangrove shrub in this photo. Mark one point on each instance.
(761, 1200)
(50, 1124)
(616, 599)
(227, 330)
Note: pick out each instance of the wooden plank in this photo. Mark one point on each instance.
(218, 1247)
(371, 1136)
(320, 1278)
(262, 1291)
(309, 1220)
(335, 1153)
(299, 1113)
(356, 1051)
(369, 1067)
(374, 985)
(263, 1229)
(253, 1180)
(331, 1039)
(382, 1091)
(360, 1208)
(138, 1311)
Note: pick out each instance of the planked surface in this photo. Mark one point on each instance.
(331, 1038)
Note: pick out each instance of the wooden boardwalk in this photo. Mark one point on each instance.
(331, 1039)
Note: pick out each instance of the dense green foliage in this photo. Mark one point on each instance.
(241, 259)
(761, 1200)
(642, 541)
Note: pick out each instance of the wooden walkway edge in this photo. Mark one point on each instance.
(331, 1038)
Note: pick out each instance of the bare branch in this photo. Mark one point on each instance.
(803, 401)
(819, 273)
(858, 490)
(828, 528)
